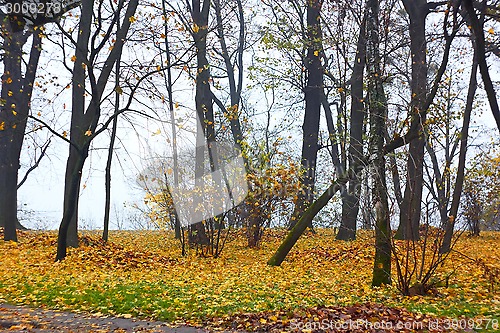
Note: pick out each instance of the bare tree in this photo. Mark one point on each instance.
(350, 201)
(15, 105)
(85, 118)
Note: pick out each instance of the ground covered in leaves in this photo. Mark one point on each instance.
(324, 285)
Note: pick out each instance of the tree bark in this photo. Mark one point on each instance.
(411, 206)
(350, 201)
(305, 220)
(78, 124)
(15, 103)
(312, 94)
(84, 120)
(107, 176)
(377, 104)
(205, 136)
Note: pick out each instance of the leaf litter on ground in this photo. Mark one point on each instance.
(142, 274)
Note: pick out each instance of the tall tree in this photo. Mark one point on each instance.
(377, 105)
(350, 201)
(16, 98)
(107, 176)
(411, 205)
(14, 108)
(85, 118)
(205, 135)
(175, 156)
(448, 219)
(313, 96)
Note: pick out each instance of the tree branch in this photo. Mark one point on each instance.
(34, 166)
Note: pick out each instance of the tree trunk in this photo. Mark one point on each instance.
(312, 93)
(457, 191)
(350, 201)
(78, 125)
(377, 104)
(84, 120)
(305, 220)
(205, 135)
(480, 47)
(235, 85)
(175, 155)
(16, 96)
(107, 180)
(411, 205)
(73, 175)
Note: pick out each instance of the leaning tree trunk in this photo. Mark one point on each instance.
(312, 93)
(16, 96)
(350, 201)
(411, 205)
(377, 104)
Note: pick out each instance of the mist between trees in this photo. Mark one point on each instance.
(363, 111)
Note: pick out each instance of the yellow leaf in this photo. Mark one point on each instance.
(14, 113)
(9, 80)
(491, 31)
(132, 19)
(10, 93)
(88, 133)
(316, 53)
(127, 316)
(158, 132)
(73, 58)
(196, 28)
(2, 126)
(65, 134)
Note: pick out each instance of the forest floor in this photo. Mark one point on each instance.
(139, 282)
